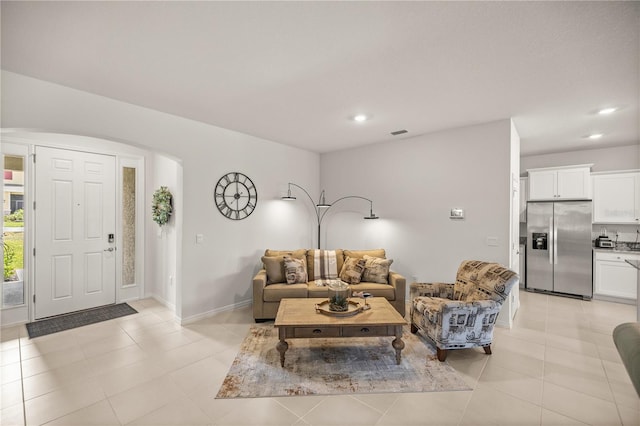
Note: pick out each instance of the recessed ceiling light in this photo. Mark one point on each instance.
(595, 136)
(605, 111)
(360, 118)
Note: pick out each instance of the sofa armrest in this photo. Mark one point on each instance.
(399, 283)
(442, 290)
(259, 283)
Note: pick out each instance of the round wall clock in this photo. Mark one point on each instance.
(236, 196)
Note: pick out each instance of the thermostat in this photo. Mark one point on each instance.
(456, 214)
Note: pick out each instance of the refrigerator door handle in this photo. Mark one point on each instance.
(554, 240)
(555, 243)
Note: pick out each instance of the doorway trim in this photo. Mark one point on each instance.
(127, 155)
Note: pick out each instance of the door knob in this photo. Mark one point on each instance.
(109, 249)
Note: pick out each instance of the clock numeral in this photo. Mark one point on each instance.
(236, 177)
(222, 205)
(228, 213)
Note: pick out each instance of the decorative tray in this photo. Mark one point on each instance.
(352, 309)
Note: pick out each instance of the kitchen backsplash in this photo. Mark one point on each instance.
(625, 232)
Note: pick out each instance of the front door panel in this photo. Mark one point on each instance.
(75, 213)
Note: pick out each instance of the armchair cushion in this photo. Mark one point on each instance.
(478, 280)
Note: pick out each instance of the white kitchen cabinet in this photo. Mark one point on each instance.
(613, 277)
(560, 183)
(524, 197)
(616, 197)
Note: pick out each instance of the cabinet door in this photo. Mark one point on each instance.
(574, 183)
(615, 278)
(615, 198)
(542, 185)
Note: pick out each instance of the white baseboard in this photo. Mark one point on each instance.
(208, 314)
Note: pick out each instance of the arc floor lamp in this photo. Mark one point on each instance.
(322, 207)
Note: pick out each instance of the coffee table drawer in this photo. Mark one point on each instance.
(365, 331)
(307, 332)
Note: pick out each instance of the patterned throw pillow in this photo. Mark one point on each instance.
(352, 270)
(376, 270)
(295, 270)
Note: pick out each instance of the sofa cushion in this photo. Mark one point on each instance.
(277, 292)
(352, 270)
(295, 270)
(478, 280)
(376, 289)
(359, 254)
(298, 254)
(376, 269)
(274, 265)
(331, 261)
(317, 290)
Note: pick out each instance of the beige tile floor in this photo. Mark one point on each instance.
(556, 366)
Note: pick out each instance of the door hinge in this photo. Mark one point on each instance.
(34, 205)
(34, 298)
(34, 251)
(34, 158)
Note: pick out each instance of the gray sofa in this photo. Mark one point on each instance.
(270, 286)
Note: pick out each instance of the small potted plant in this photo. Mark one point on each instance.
(338, 296)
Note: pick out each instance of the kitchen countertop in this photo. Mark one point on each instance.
(612, 250)
(634, 263)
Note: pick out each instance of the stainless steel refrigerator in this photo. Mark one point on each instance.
(559, 255)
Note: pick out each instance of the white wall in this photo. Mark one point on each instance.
(161, 242)
(605, 159)
(414, 183)
(217, 273)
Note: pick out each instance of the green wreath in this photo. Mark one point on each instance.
(161, 208)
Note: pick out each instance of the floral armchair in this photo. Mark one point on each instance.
(463, 314)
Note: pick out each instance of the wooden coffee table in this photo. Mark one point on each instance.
(297, 318)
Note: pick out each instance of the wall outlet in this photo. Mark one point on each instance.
(492, 241)
(199, 238)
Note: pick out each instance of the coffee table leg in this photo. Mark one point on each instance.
(282, 347)
(398, 345)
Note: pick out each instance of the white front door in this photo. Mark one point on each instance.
(75, 207)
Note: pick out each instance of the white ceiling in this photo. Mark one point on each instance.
(296, 72)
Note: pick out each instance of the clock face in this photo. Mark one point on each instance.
(236, 196)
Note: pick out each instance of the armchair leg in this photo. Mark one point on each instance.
(487, 349)
(414, 329)
(442, 354)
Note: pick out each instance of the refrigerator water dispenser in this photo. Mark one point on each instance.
(539, 240)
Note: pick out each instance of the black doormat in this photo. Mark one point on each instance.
(78, 319)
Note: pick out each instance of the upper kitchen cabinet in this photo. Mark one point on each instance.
(616, 197)
(560, 183)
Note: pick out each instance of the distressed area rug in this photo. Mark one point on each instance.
(334, 367)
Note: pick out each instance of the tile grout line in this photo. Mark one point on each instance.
(24, 403)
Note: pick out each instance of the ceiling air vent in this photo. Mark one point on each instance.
(398, 132)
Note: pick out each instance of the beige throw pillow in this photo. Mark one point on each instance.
(376, 270)
(274, 265)
(352, 270)
(295, 270)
